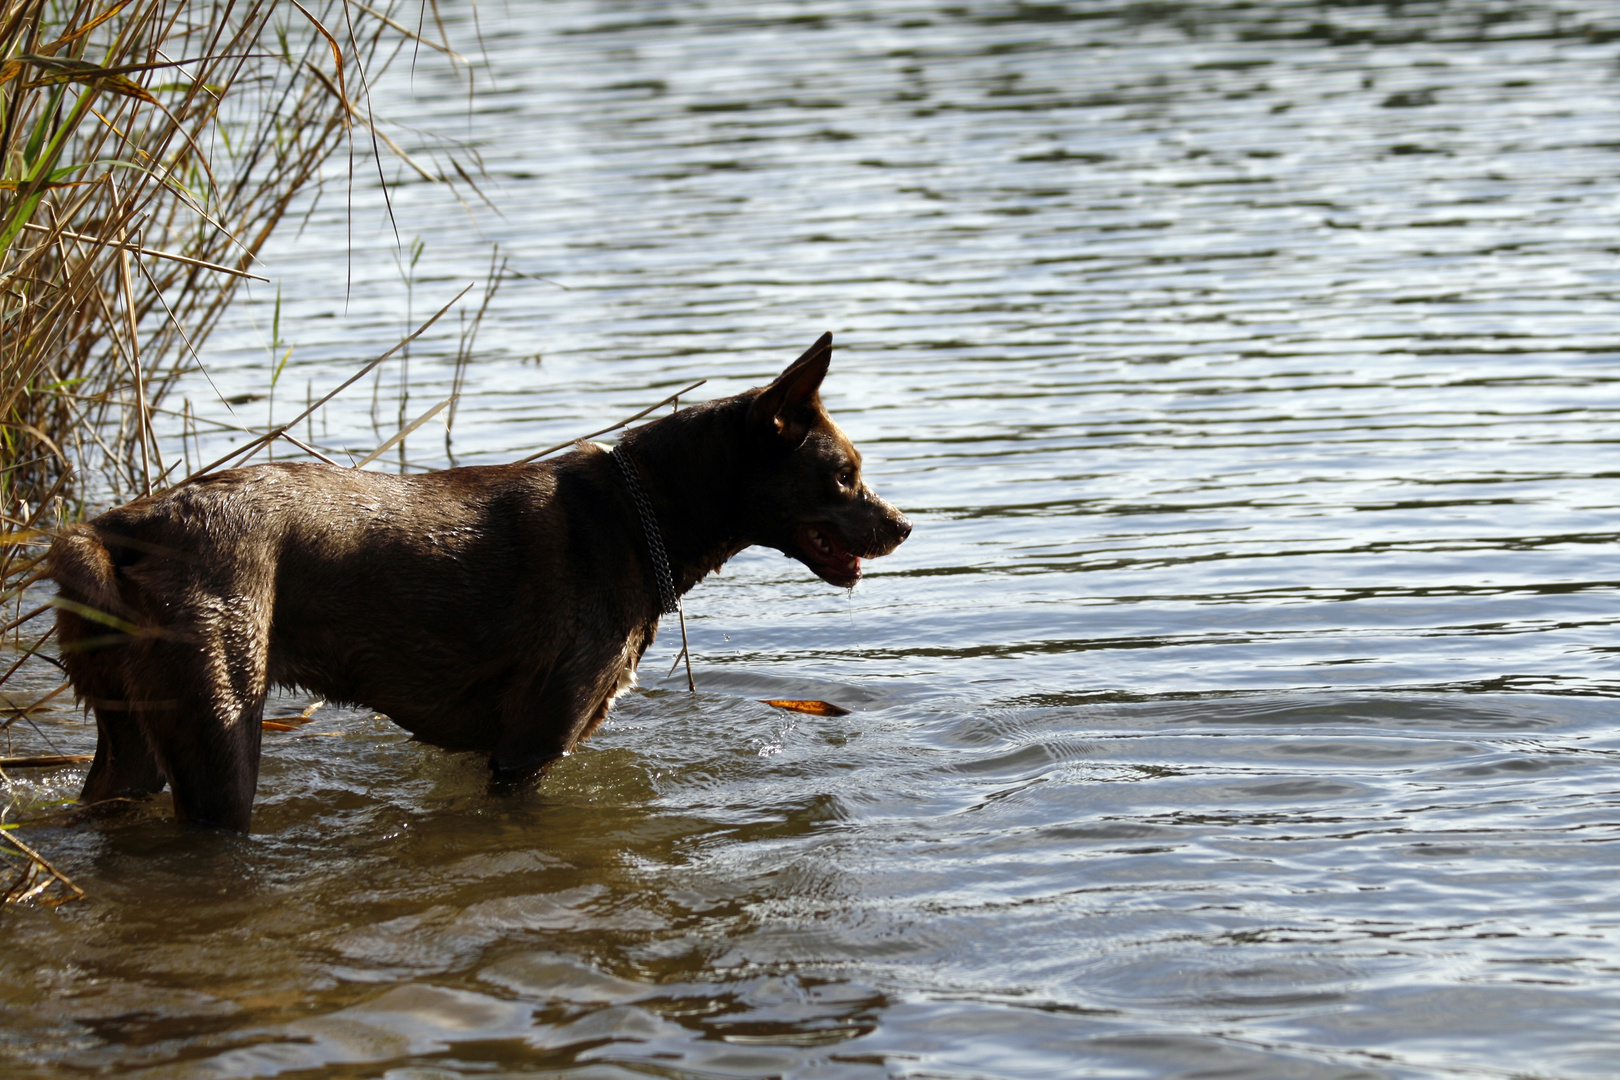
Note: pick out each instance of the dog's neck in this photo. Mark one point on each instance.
(692, 467)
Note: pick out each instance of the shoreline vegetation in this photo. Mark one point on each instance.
(148, 150)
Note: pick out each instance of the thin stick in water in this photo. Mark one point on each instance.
(686, 648)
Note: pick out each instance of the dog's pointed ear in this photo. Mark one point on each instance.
(788, 406)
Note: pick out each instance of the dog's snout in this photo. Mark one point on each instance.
(889, 522)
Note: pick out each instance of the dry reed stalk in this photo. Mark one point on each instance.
(626, 422)
(35, 876)
(149, 148)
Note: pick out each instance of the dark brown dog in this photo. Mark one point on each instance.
(495, 608)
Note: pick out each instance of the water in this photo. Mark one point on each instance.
(1242, 704)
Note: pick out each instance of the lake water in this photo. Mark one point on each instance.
(1243, 704)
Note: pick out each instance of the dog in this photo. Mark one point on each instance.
(492, 608)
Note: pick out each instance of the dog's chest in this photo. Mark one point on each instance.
(626, 664)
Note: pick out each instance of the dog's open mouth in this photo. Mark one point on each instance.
(830, 560)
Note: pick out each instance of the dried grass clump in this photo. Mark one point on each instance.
(148, 148)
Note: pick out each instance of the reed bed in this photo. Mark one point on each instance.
(148, 150)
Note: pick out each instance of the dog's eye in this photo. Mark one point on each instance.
(846, 478)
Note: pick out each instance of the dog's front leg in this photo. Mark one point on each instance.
(541, 721)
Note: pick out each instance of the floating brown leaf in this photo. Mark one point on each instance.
(815, 708)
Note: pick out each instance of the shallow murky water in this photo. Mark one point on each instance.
(1242, 704)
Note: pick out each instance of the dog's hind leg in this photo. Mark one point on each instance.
(124, 766)
(213, 765)
(96, 657)
(203, 716)
(209, 750)
(179, 685)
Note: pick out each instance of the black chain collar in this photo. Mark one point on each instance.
(667, 596)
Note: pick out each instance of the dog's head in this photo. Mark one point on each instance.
(807, 498)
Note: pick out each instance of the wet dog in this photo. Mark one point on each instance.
(491, 608)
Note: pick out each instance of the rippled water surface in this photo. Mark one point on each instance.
(1243, 704)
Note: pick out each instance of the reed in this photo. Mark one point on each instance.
(148, 150)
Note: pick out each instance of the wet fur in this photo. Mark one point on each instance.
(493, 608)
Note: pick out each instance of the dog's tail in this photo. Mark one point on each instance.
(80, 563)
